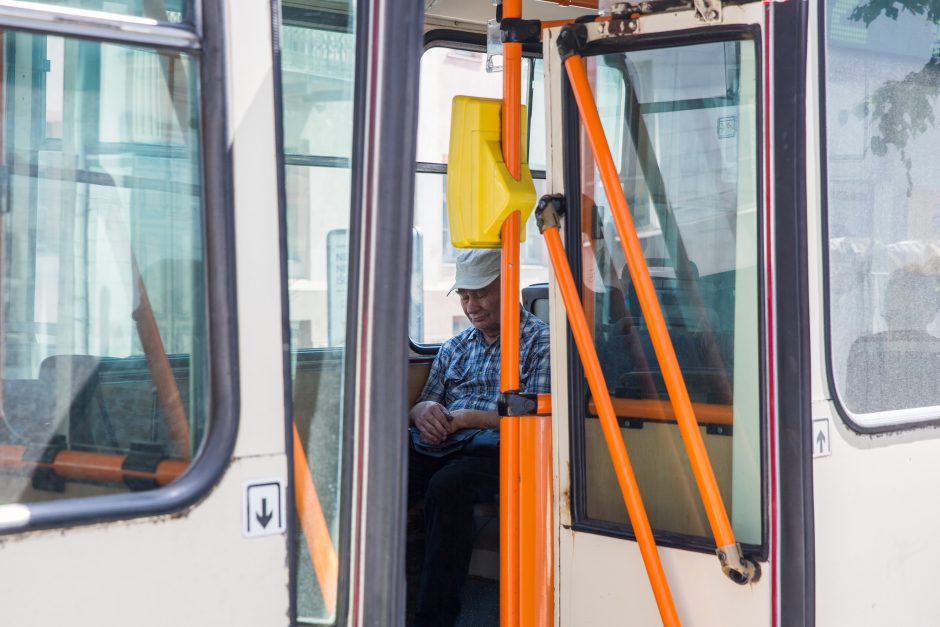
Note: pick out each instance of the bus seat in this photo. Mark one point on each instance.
(28, 409)
(535, 300)
(893, 370)
(83, 386)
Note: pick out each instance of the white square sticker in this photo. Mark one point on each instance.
(263, 508)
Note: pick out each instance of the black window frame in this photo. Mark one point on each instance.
(577, 388)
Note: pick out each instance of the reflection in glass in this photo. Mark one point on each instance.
(882, 104)
(103, 325)
(681, 123)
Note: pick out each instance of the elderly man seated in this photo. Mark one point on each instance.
(454, 462)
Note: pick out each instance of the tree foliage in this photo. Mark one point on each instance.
(869, 11)
(902, 108)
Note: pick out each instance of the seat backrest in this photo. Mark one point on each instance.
(535, 300)
(893, 370)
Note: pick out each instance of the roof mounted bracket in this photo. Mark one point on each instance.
(708, 11)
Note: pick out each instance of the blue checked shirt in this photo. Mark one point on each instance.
(465, 373)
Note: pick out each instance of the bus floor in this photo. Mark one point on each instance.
(479, 602)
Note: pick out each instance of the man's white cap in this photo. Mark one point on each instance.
(476, 268)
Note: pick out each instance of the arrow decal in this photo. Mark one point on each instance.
(265, 516)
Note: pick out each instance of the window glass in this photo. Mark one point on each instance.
(682, 124)
(317, 76)
(173, 11)
(445, 73)
(883, 192)
(103, 317)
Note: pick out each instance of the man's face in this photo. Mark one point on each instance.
(482, 307)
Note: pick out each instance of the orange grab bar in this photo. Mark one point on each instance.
(509, 427)
(168, 392)
(87, 466)
(543, 405)
(535, 568)
(553, 23)
(661, 411)
(509, 310)
(728, 551)
(611, 429)
(313, 523)
(509, 450)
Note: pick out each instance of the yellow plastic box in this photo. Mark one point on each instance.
(480, 191)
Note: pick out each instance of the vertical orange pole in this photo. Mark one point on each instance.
(527, 520)
(639, 274)
(611, 429)
(509, 467)
(509, 452)
(536, 591)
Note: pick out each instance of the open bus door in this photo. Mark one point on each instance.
(681, 104)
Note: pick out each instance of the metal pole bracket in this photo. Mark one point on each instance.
(549, 211)
(738, 568)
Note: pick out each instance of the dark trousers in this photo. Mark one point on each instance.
(451, 486)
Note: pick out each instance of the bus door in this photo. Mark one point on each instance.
(683, 99)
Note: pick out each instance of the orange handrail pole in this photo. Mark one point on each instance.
(313, 522)
(611, 429)
(509, 427)
(662, 411)
(639, 274)
(512, 97)
(89, 466)
(168, 392)
(509, 305)
(536, 574)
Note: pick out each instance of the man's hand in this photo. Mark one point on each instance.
(433, 421)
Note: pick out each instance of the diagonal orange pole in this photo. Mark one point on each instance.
(610, 428)
(727, 548)
(313, 523)
(168, 392)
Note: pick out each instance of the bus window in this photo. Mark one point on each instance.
(682, 125)
(445, 73)
(317, 76)
(103, 329)
(883, 213)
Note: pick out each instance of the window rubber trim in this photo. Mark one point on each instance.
(848, 417)
(577, 396)
(215, 452)
(794, 550)
(277, 19)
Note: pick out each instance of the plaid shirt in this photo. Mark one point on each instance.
(465, 373)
